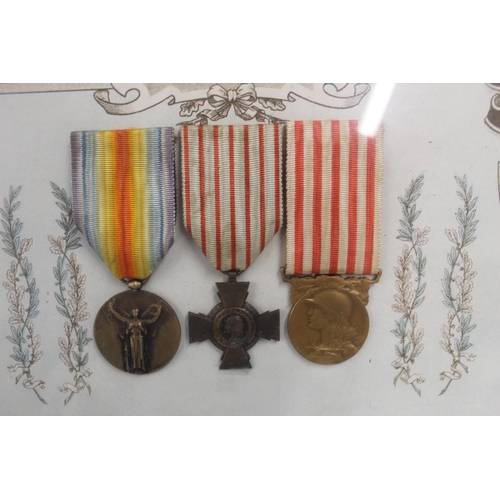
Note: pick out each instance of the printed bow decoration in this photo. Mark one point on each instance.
(455, 373)
(243, 101)
(80, 382)
(29, 382)
(404, 374)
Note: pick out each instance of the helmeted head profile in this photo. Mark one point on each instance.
(327, 307)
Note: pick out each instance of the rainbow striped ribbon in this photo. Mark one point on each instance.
(232, 198)
(334, 198)
(124, 196)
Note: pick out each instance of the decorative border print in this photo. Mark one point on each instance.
(410, 287)
(22, 295)
(209, 102)
(457, 286)
(70, 297)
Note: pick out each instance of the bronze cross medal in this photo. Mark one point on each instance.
(231, 180)
(233, 325)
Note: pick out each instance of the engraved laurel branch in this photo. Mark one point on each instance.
(457, 287)
(70, 297)
(22, 295)
(410, 290)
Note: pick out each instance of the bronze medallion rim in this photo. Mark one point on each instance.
(166, 340)
(298, 329)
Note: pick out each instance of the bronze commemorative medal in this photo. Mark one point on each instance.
(232, 208)
(124, 203)
(334, 191)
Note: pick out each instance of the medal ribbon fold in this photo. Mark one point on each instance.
(232, 190)
(124, 196)
(334, 197)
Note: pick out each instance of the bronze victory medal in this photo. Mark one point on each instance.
(131, 228)
(137, 332)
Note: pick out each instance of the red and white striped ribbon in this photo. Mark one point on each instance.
(231, 177)
(334, 198)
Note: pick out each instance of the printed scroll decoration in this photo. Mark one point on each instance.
(249, 101)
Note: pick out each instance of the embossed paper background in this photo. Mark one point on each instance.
(434, 131)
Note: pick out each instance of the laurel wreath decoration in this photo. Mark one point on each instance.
(22, 295)
(457, 287)
(70, 297)
(409, 289)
